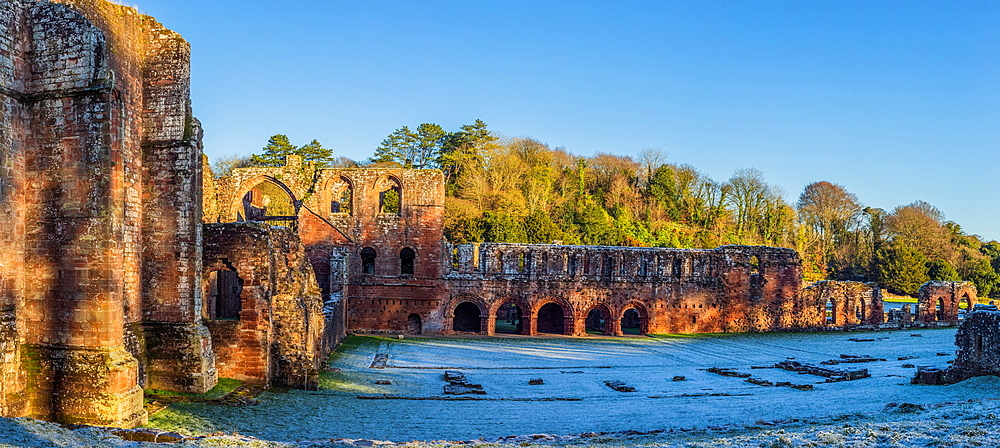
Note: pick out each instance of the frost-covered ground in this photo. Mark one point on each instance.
(705, 410)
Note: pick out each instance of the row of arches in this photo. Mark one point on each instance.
(549, 318)
(268, 199)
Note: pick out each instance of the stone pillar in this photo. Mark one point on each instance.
(178, 345)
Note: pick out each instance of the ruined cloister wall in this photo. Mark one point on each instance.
(673, 290)
(940, 301)
(334, 239)
(848, 303)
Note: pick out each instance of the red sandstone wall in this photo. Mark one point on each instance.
(278, 338)
(91, 95)
(674, 290)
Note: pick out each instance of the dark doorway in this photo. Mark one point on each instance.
(631, 322)
(550, 319)
(413, 324)
(861, 312)
(939, 310)
(597, 321)
(406, 257)
(368, 261)
(467, 318)
(228, 287)
(508, 320)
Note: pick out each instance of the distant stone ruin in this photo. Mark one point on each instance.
(977, 340)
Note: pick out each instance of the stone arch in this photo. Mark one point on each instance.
(455, 302)
(341, 190)
(965, 304)
(407, 261)
(755, 265)
(546, 320)
(860, 311)
(510, 316)
(414, 324)
(829, 312)
(598, 319)
(640, 322)
(238, 207)
(368, 256)
(390, 195)
(939, 309)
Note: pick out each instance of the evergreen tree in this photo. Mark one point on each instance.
(277, 148)
(942, 270)
(427, 148)
(397, 148)
(316, 153)
(900, 268)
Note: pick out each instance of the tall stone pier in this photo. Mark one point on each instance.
(100, 243)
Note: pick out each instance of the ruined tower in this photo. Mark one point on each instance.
(100, 235)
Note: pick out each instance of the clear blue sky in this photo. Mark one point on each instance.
(897, 101)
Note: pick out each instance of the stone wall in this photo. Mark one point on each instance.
(846, 303)
(978, 342)
(733, 288)
(278, 336)
(100, 253)
(940, 301)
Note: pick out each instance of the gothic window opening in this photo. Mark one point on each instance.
(268, 201)
(406, 257)
(754, 265)
(368, 261)
(390, 197)
(677, 267)
(343, 197)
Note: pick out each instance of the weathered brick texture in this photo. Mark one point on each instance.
(99, 212)
(277, 337)
(940, 301)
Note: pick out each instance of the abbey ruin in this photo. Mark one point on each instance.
(126, 265)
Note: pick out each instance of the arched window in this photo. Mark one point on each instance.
(368, 261)
(754, 265)
(343, 196)
(268, 201)
(406, 257)
(678, 267)
(390, 196)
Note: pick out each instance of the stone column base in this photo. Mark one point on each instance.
(84, 385)
(179, 357)
(13, 402)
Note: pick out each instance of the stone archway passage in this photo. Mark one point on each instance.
(413, 324)
(632, 322)
(550, 319)
(508, 319)
(467, 318)
(597, 321)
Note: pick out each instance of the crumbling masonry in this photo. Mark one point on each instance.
(375, 239)
(124, 264)
(101, 282)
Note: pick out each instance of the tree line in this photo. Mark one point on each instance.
(520, 190)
